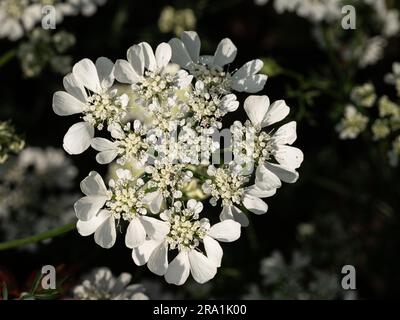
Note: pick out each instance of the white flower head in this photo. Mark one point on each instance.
(210, 69)
(89, 92)
(148, 74)
(186, 234)
(100, 284)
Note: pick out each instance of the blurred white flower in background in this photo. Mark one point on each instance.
(352, 124)
(36, 192)
(18, 17)
(176, 20)
(372, 52)
(367, 47)
(297, 279)
(10, 142)
(100, 284)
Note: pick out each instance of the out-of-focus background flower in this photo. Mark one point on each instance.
(342, 85)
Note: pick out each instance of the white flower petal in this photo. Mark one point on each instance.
(225, 231)
(65, 104)
(155, 229)
(234, 213)
(267, 180)
(105, 157)
(288, 156)
(85, 72)
(141, 255)
(93, 185)
(86, 228)
(201, 268)
(148, 55)
(105, 68)
(192, 44)
(249, 68)
(154, 201)
(286, 134)
(101, 144)
(225, 53)
(163, 55)
(284, 173)
(74, 87)
(136, 59)
(246, 78)
(106, 234)
(179, 269)
(254, 204)
(213, 250)
(78, 138)
(276, 112)
(256, 108)
(158, 261)
(124, 72)
(258, 192)
(135, 234)
(87, 207)
(179, 53)
(250, 84)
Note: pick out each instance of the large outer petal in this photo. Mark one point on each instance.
(225, 231)
(93, 185)
(288, 156)
(124, 72)
(65, 104)
(225, 53)
(105, 69)
(85, 72)
(233, 213)
(78, 138)
(286, 134)
(213, 250)
(192, 44)
(86, 228)
(180, 54)
(286, 174)
(155, 229)
(201, 268)
(87, 207)
(163, 54)
(256, 108)
(179, 269)
(106, 234)
(141, 255)
(276, 112)
(254, 204)
(158, 261)
(135, 234)
(74, 87)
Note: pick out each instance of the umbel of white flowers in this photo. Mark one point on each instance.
(160, 178)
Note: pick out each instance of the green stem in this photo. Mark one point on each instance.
(6, 57)
(39, 237)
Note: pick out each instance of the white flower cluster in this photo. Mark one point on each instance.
(20, 16)
(384, 115)
(100, 284)
(182, 97)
